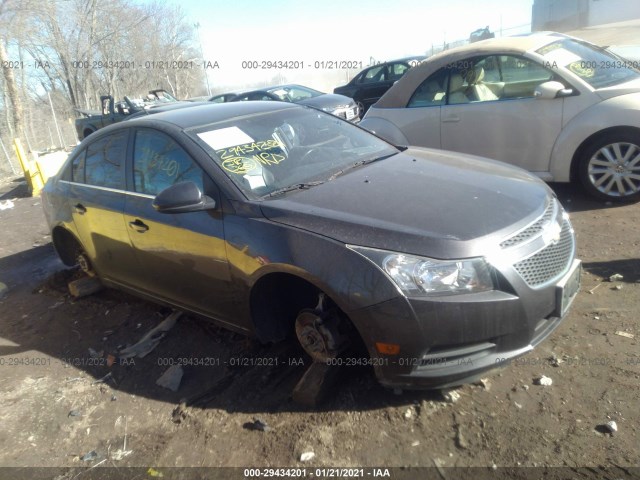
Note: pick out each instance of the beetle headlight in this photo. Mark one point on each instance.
(420, 276)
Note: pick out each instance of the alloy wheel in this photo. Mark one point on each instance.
(614, 169)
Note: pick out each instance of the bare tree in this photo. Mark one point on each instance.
(9, 17)
(73, 51)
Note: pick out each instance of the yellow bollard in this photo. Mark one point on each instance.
(31, 170)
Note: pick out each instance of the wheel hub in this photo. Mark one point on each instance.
(319, 336)
(614, 169)
(85, 264)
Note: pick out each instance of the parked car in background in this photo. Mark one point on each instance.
(113, 112)
(279, 220)
(200, 98)
(481, 34)
(222, 98)
(372, 82)
(338, 105)
(166, 108)
(555, 105)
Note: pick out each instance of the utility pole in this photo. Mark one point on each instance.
(206, 71)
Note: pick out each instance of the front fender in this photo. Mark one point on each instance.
(622, 111)
(257, 247)
(385, 129)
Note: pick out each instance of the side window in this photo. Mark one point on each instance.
(103, 160)
(159, 162)
(521, 76)
(481, 80)
(396, 70)
(258, 96)
(375, 74)
(77, 168)
(432, 91)
(297, 94)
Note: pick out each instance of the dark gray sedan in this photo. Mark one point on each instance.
(338, 105)
(278, 220)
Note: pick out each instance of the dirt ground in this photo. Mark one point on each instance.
(62, 405)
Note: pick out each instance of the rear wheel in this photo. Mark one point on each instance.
(609, 168)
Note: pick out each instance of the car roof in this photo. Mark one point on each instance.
(399, 95)
(403, 59)
(206, 113)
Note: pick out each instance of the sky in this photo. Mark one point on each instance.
(356, 31)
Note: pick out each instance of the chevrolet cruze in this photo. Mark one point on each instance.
(279, 220)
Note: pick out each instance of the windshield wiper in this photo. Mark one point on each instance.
(296, 186)
(359, 164)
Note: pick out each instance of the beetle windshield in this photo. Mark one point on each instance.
(596, 66)
(271, 151)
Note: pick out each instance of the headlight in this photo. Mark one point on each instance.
(421, 276)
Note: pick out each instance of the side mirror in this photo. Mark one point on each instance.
(551, 90)
(182, 197)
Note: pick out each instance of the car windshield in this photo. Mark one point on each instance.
(294, 93)
(270, 152)
(595, 66)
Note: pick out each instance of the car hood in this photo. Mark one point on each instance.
(622, 89)
(327, 100)
(422, 201)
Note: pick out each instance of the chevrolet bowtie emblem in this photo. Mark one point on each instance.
(551, 234)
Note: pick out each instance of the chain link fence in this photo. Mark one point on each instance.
(501, 32)
(47, 128)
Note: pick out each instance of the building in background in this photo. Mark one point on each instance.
(566, 15)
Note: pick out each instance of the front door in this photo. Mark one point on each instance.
(494, 113)
(182, 257)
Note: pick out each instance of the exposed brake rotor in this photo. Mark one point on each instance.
(318, 333)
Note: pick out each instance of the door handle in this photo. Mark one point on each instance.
(79, 208)
(139, 226)
(451, 119)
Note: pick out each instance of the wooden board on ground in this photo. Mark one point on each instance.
(316, 383)
(85, 286)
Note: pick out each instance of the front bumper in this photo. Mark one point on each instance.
(349, 113)
(449, 341)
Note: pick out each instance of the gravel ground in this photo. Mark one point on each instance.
(64, 405)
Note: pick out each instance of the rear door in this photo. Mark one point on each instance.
(96, 200)
(182, 257)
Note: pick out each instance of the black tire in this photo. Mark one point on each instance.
(609, 167)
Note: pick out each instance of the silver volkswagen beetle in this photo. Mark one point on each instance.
(560, 107)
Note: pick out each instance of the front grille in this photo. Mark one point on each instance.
(533, 229)
(550, 262)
